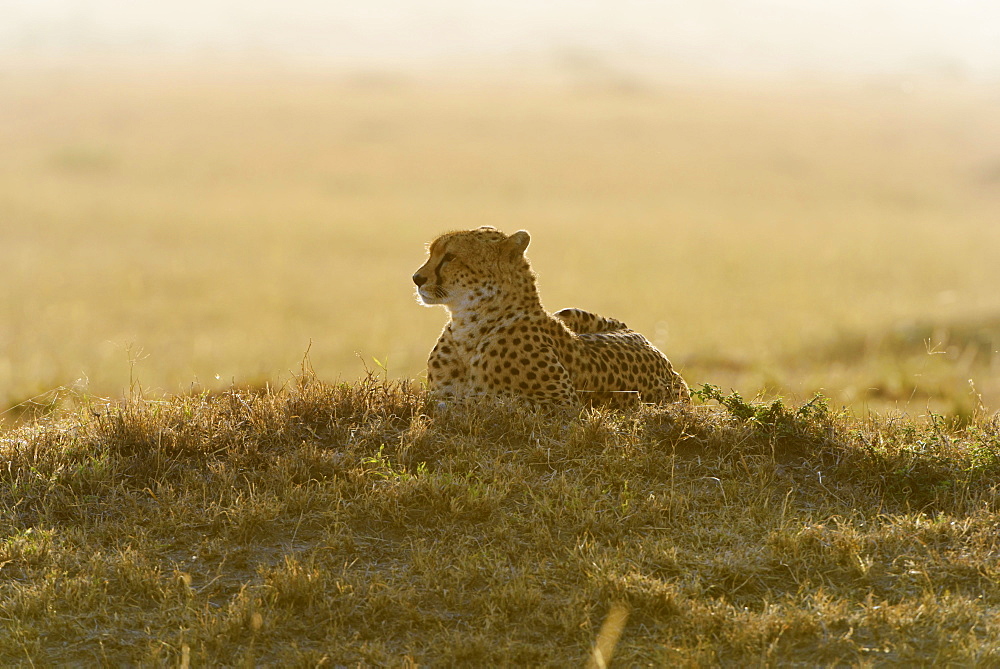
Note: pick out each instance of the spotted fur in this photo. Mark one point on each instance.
(500, 340)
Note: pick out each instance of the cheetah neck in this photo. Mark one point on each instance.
(490, 306)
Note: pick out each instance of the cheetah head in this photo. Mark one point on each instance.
(468, 266)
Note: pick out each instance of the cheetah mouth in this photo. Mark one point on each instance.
(431, 295)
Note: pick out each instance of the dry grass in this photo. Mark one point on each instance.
(209, 226)
(328, 524)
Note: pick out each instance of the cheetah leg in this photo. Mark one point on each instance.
(679, 391)
(447, 374)
(673, 389)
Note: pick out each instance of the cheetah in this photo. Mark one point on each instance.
(500, 339)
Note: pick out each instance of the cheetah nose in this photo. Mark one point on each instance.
(419, 280)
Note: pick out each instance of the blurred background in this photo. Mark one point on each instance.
(786, 197)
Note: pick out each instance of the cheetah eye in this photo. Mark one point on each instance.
(448, 257)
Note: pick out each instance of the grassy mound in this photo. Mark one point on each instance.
(354, 523)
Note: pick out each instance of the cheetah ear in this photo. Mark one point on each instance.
(516, 244)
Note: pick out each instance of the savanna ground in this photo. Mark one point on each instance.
(177, 490)
(178, 228)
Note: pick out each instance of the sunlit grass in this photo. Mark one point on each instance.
(351, 524)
